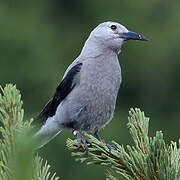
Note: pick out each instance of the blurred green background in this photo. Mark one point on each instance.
(39, 39)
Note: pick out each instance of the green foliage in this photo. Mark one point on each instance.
(17, 161)
(149, 159)
(39, 39)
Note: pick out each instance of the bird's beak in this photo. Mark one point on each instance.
(132, 35)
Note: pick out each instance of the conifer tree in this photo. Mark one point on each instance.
(17, 158)
(150, 158)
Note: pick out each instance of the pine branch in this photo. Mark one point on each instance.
(17, 161)
(149, 159)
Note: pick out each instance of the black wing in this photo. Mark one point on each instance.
(64, 88)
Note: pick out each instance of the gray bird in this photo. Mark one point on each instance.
(86, 97)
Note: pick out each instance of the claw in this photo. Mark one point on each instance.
(113, 147)
(81, 139)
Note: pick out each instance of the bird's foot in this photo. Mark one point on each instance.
(110, 147)
(81, 139)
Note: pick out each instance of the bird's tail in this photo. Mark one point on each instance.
(47, 132)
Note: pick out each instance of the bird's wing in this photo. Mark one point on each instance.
(65, 87)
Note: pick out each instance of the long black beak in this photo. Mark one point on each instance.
(132, 35)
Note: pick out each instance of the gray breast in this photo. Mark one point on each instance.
(92, 102)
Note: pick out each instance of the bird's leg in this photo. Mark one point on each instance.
(98, 137)
(81, 139)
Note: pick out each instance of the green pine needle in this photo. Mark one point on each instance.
(17, 161)
(149, 159)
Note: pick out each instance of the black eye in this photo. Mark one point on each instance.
(113, 27)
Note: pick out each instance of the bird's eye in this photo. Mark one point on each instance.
(113, 27)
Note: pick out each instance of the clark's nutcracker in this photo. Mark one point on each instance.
(86, 97)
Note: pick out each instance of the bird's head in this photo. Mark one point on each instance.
(112, 35)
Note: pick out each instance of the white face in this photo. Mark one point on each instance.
(108, 34)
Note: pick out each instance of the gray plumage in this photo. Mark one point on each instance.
(85, 99)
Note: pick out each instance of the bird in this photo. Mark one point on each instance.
(85, 99)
